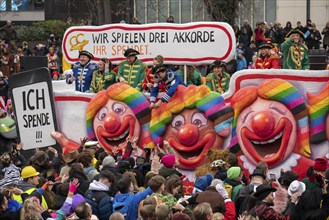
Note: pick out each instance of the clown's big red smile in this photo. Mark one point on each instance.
(114, 123)
(266, 132)
(191, 135)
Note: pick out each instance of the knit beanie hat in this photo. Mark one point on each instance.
(320, 164)
(233, 173)
(76, 200)
(203, 182)
(168, 160)
(108, 161)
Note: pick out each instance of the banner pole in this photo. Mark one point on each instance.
(185, 74)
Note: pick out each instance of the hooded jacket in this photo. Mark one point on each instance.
(134, 199)
(98, 197)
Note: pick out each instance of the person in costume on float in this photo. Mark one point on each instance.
(193, 76)
(194, 121)
(149, 76)
(132, 70)
(218, 80)
(171, 79)
(295, 52)
(271, 125)
(266, 60)
(103, 77)
(82, 72)
(55, 75)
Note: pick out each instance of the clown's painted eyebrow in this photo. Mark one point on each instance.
(283, 112)
(246, 115)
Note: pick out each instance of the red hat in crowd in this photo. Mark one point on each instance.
(168, 160)
(55, 73)
(321, 164)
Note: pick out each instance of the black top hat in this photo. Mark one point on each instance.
(217, 63)
(257, 172)
(265, 45)
(263, 190)
(159, 68)
(296, 31)
(131, 52)
(86, 53)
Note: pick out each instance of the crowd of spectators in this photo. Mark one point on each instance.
(90, 183)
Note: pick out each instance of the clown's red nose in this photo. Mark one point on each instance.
(111, 123)
(188, 135)
(263, 123)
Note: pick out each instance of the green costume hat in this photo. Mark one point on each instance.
(131, 52)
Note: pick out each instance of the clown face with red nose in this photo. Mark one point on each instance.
(117, 114)
(271, 125)
(114, 116)
(194, 121)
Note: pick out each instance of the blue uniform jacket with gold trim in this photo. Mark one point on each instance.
(83, 76)
(172, 81)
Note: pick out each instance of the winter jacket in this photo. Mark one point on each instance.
(211, 196)
(236, 186)
(90, 173)
(166, 172)
(265, 212)
(83, 183)
(98, 197)
(30, 190)
(134, 200)
(11, 175)
(244, 192)
(172, 81)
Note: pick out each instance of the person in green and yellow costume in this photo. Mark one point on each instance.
(295, 52)
(103, 77)
(218, 80)
(132, 70)
(193, 76)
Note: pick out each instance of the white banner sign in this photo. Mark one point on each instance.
(34, 115)
(190, 43)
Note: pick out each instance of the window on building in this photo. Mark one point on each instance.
(163, 10)
(3, 5)
(152, 11)
(270, 10)
(186, 11)
(140, 10)
(174, 6)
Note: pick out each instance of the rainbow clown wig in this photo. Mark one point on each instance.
(130, 96)
(274, 90)
(318, 111)
(200, 97)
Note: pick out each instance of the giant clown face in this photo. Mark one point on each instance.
(191, 135)
(113, 123)
(266, 131)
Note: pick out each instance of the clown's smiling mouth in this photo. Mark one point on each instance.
(190, 155)
(270, 149)
(272, 146)
(123, 135)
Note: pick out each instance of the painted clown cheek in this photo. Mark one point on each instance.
(266, 131)
(191, 136)
(113, 123)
